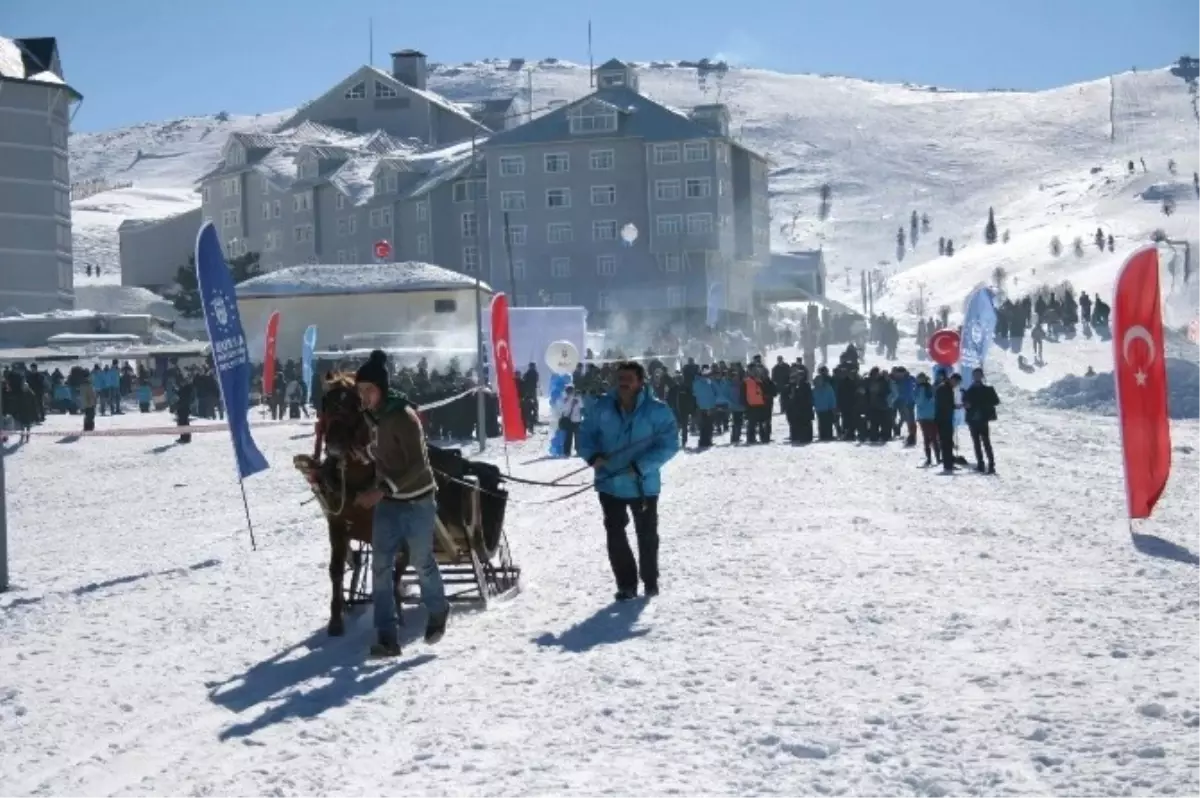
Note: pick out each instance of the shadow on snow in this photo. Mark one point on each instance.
(611, 624)
(1154, 546)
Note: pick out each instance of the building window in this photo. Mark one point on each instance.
(235, 156)
(231, 218)
(381, 217)
(301, 201)
(422, 211)
(266, 184)
(558, 198)
(341, 256)
(602, 160)
(266, 210)
(469, 225)
(604, 195)
(666, 190)
(351, 225)
(698, 187)
(603, 301)
(604, 230)
(383, 90)
(666, 154)
(670, 262)
(593, 118)
(302, 233)
(341, 227)
(512, 165)
(390, 183)
(357, 92)
(470, 260)
(517, 235)
(670, 224)
(470, 190)
(444, 306)
(695, 151)
(560, 267)
(518, 269)
(422, 244)
(307, 169)
(559, 233)
(674, 296)
(561, 299)
(722, 152)
(340, 202)
(556, 162)
(699, 223)
(232, 187)
(606, 265)
(512, 200)
(272, 241)
(276, 209)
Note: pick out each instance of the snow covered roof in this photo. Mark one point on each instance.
(433, 98)
(365, 278)
(31, 61)
(353, 179)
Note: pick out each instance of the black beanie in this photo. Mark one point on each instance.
(374, 370)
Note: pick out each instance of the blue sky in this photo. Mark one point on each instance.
(145, 60)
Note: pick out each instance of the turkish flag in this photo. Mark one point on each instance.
(506, 381)
(1140, 372)
(269, 353)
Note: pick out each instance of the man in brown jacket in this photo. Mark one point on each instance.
(405, 505)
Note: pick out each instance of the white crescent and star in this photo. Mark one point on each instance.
(502, 355)
(1134, 333)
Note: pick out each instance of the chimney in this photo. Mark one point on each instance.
(408, 67)
(714, 117)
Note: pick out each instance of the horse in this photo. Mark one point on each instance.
(345, 471)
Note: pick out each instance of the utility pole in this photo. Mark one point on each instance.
(480, 396)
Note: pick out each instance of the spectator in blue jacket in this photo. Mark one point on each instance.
(824, 400)
(925, 409)
(627, 438)
(737, 403)
(905, 387)
(705, 394)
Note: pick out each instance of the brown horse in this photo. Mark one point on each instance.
(345, 471)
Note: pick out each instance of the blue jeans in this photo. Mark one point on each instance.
(410, 524)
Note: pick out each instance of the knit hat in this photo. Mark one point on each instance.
(374, 371)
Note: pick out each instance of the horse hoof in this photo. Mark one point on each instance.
(336, 629)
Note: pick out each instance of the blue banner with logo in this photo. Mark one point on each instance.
(558, 392)
(231, 357)
(979, 325)
(309, 346)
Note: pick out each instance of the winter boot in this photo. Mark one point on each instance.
(626, 594)
(435, 627)
(385, 648)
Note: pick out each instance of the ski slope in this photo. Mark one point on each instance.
(884, 150)
(833, 620)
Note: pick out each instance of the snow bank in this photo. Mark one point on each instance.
(1097, 394)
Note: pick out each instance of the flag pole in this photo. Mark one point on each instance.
(3, 512)
(480, 395)
(246, 507)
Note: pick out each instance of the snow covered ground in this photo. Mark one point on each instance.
(833, 620)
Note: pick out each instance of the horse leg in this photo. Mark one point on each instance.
(339, 545)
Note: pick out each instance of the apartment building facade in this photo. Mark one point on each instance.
(691, 202)
(316, 190)
(36, 271)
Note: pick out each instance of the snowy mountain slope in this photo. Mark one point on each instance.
(884, 149)
(839, 638)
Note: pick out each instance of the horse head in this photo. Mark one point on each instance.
(346, 430)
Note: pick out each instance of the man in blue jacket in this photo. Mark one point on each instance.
(627, 437)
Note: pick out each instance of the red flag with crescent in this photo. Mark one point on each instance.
(506, 381)
(1140, 372)
(269, 353)
(944, 347)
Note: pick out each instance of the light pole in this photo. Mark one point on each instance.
(3, 513)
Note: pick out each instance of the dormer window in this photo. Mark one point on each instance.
(382, 90)
(358, 91)
(235, 156)
(608, 81)
(593, 117)
(307, 169)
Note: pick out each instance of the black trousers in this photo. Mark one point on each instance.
(645, 526)
(981, 436)
(705, 421)
(568, 430)
(946, 441)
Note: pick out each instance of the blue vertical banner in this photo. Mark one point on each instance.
(979, 325)
(231, 357)
(307, 350)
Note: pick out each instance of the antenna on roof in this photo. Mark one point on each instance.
(591, 67)
(370, 41)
